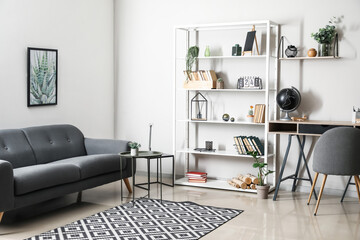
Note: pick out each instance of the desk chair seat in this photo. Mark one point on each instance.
(337, 153)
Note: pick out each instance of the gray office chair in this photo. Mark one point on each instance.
(337, 153)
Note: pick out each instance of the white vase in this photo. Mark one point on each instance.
(134, 151)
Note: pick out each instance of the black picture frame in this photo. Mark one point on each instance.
(42, 77)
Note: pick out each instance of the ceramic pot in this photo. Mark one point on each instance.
(324, 49)
(263, 191)
(134, 151)
(220, 85)
(312, 52)
(291, 51)
(250, 118)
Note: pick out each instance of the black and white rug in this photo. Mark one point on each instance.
(148, 219)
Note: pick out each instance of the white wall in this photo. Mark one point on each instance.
(144, 39)
(82, 31)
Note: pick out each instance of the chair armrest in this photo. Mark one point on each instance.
(104, 146)
(6, 186)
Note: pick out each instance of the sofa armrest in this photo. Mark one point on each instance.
(6, 186)
(103, 146)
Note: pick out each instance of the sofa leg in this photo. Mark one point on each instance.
(1, 216)
(127, 183)
(79, 197)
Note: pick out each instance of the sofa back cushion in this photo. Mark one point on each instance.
(15, 148)
(55, 142)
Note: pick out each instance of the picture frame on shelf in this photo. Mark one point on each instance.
(42, 77)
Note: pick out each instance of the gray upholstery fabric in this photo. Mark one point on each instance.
(6, 186)
(55, 142)
(99, 146)
(32, 178)
(94, 165)
(337, 152)
(15, 148)
(61, 190)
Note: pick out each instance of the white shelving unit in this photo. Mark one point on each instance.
(268, 66)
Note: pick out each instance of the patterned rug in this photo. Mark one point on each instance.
(148, 219)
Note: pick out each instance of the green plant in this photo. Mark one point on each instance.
(263, 172)
(326, 34)
(192, 54)
(251, 110)
(134, 145)
(220, 80)
(42, 79)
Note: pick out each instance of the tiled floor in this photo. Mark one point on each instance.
(287, 218)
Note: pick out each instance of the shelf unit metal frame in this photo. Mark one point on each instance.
(265, 24)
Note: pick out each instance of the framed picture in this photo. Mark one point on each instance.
(42, 77)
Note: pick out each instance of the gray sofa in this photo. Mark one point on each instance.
(45, 162)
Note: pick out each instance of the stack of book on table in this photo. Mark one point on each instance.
(197, 177)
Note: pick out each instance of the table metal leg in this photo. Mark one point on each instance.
(161, 180)
(282, 168)
(346, 188)
(173, 171)
(157, 170)
(306, 165)
(148, 168)
(298, 165)
(132, 171)
(121, 180)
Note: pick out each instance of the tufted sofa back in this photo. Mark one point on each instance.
(15, 148)
(54, 142)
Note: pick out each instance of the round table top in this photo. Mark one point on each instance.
(142, 154)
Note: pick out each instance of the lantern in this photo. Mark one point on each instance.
(199, 107)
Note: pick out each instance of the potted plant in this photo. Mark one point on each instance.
(250, 115)
(325, 37)
(192, 54)
(220, 83)
(134, 147)
(262, 188)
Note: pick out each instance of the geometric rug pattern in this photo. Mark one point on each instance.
(148, 219)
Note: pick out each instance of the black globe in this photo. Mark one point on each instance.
(288, 99)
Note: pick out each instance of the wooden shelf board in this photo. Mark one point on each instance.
(230, 57)
(223, 122)
(216, 184)
(219, 153)
(309, 58)
(226, 90)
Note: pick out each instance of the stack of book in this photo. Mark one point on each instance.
(246, 144)
(259, 113)
(201, 75)
(197, 177)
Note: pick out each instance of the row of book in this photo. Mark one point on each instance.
(246, 144)
(259, 113)
(201, 75)
(197, 177)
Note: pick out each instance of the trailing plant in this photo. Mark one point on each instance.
(192, 54)
(326, 34)
(42, 79)
(134, 145)
(262, 171)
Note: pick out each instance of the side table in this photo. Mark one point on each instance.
(146, 155)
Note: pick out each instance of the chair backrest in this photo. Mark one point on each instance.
(337, 152)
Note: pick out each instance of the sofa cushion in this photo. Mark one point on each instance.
(15, 148)
(32, 178)
(94, 165)
(55, 142)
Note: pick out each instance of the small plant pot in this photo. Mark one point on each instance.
(263, 191)
(134, 151)
(250, 118)
(220, 85)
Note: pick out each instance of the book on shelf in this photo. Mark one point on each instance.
(196, 174)
(198, 180)
(201, 75)
(259, 113)
(246, 144)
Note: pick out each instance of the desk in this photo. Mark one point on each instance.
(297, 129)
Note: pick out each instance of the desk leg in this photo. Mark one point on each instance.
(173, 171)
(132, 171)
(148, 168)
(298, 164)
(157, 170)
(282, 168)
(347, 185)
(161, 180)
(306, 165)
